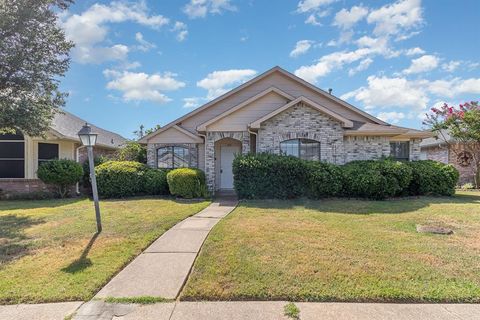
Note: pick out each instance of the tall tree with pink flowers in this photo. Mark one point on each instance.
(462, 123)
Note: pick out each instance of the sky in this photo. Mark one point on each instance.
(150, 62)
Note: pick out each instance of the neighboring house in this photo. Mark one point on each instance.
(444, 148)
(20, 155)
(280, 113)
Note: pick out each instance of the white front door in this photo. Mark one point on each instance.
(227, 154)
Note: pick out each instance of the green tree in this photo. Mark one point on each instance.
(132, 151)
(463, 124)
(34, 54)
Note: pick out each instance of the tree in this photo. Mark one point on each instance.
(33, 55)
(463, 124)
(142, 132)
(132, 151)
(60, 173)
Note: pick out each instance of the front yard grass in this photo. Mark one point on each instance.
(342, 250)
(48, 250)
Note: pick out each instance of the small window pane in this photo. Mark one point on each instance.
(301, 148)
(400, 150)
(47, 151)
(12, 169)
(9, 136)
(164, 157)
(12, 150)
(181, 157)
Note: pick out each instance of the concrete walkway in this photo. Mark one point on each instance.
(274, 310)
(44, 311)
(162, 269)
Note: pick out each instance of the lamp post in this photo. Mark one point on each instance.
(88, 139)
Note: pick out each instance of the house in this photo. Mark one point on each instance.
(20, 155)
(443, 148)
(280, 113)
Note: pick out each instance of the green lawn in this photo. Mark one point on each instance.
(342, 250)
(48, 251)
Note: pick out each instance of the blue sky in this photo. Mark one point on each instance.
(149, 62)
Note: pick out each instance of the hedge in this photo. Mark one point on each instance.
(187, 183)
(271, 176)
(119, 179)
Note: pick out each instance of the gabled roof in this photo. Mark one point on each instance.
(372, 129)
(437, 139)
(203, 126)
(255, 80)
(345, 122)
(66, 126)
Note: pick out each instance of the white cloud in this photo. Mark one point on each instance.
(396, 18)
(141, 86)
(200, 8)
(143, 45)
(384, 92)
(219, 82)
(346, 19)
(399, 92)
(363, 65)
(312, 19)
(391, 117)
(423, 64)
(451, 66)
(181, 29)
(88, 30)
(414, 51)
(301, 47)
(192, 102)
(312, 5)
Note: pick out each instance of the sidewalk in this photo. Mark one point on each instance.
(162, 269)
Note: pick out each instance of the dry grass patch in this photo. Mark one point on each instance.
(49, 252)
(342, 250)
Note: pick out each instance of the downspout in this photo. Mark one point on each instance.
(77, 158)
(256, 137)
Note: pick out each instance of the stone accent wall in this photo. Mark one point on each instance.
(302, 121)
(212, 137)
(152, 152)
(365, 148)
(415, 149)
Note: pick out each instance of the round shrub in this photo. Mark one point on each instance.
(432, 178)
(117, 179)
(155, 182)
(324, 179)
(375, 179)
(61, 173)
(86, 169)
(187, 183)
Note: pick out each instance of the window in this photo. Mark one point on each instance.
(400, 150)
(47, 152)
(12, 156)
(173, 157)
(301, 148)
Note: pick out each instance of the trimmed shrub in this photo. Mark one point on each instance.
(323, 179)
(118, 179)
(61, 173)
(264, 176)
(432, 178)
(375, 179)
(86, 169)
(187, 183)
(155, 182)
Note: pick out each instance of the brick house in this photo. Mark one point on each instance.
(443, 148)
(20, 155)
(280, 113)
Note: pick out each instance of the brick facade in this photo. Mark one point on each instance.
(365, 148)
(302, 121)
(97, 152)
(437, 153)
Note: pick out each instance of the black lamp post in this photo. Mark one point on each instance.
(88, 139)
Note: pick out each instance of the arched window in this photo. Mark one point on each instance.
(171, 157)
(12, 155)
(301, 148)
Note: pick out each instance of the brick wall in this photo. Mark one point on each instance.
(302, 121)
(365, 148)
(437, 153)
(97, 151)
(467, 174)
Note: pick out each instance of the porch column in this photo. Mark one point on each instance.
(210, 161)
(245, 142)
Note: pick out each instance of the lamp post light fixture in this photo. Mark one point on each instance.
(88, 139)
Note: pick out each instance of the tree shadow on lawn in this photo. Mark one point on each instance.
(37, 204)
(13, 241)
(361, 206)
(83, 262)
